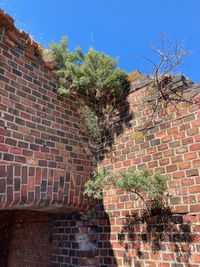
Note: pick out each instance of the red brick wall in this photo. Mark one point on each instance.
(74, 241)
(41, 239)
(44, 154)
(170, 144)
(26, 239)
(45, 160)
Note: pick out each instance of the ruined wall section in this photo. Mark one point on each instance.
(44, 154)
(45, 160)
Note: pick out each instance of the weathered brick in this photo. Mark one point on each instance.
(8, 157)
(45, 159)
(194, 147)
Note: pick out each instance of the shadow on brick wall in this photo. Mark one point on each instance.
(105, 255)
(122, 120)
(156, 233)
(25, 238)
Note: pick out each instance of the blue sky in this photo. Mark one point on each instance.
(120, 28)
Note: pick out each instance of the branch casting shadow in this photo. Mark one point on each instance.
(157, 230)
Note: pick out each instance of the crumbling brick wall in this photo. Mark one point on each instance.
(75, 240)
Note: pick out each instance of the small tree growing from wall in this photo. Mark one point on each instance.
(150, 188)
(96, 77)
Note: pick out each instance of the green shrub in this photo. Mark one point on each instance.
(92, 124)
(146, 185)
(93, 75)
(95, 185)
(149, 187)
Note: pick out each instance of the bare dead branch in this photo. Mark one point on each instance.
(167, 90)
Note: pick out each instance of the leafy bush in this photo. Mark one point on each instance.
(149, 187)
(145, 185)
(94, 186)
(92, 123)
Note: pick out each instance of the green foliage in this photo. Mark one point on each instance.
(149, 187)
(110, 214)
(92, 123)
(60, 52)
(144, 184)
(93, 75)
(94, 186)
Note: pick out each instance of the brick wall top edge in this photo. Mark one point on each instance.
(33, 51)
(32, 47)
(14, 35)
(144, 81)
